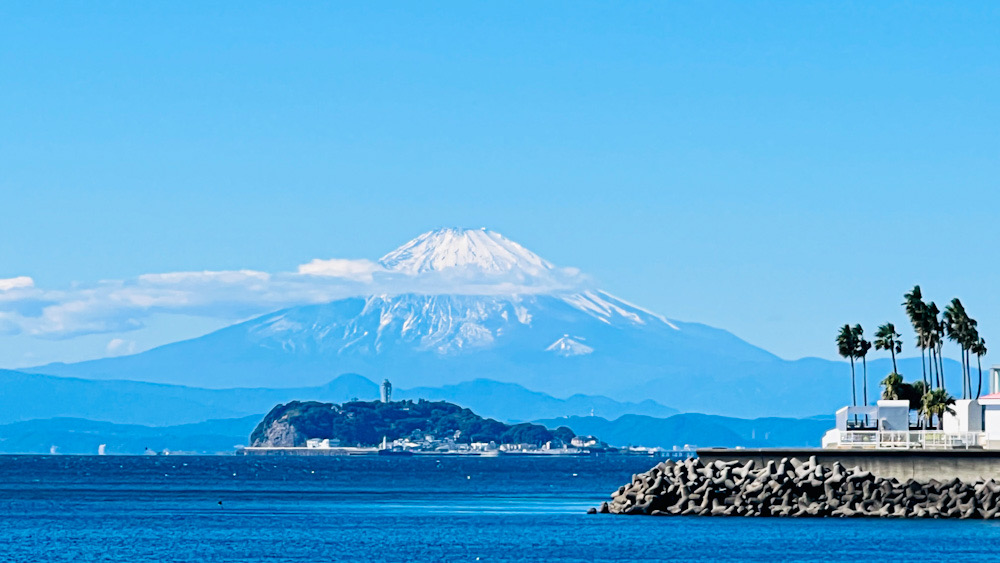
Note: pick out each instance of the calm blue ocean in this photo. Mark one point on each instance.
(65, 508)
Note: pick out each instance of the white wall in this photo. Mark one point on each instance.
(967, 417)
(991, 422)
(894, 415)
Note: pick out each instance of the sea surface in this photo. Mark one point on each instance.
(70, 508)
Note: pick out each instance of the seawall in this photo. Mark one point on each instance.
(795, 487)
(922, 465)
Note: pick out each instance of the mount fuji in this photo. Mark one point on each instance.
(472, 304)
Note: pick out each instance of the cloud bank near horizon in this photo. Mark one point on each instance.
(116, 306)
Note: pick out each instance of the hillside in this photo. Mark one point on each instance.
(515, 403)
(363, 423)
(27, 396)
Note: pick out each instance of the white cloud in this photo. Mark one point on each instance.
(20, 282)
(178, 278)
(359, 270)
(117, 306)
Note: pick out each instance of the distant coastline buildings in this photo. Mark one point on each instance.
(385, 391)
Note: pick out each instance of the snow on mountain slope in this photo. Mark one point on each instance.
(567, 346)
(432, 323)
(449, 324)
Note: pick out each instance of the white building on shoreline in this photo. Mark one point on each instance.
(970, 424)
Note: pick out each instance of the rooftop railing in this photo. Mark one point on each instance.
(914, 439)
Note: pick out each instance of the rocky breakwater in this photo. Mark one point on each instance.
(793, 487)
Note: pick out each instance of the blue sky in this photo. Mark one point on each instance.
(774, 169)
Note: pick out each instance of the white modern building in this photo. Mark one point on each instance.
(971, 424)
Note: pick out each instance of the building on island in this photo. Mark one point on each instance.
(970, 424)
(386, 391)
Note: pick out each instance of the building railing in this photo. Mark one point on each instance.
(933, 439)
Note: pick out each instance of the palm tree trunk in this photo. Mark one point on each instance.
(931, 375)
(854, 390)
(941, 364)
(979, 363)
(965, 388)
(932, 372)
(923, 374)
(892, 350)
(968, 367)
(923, 365)
(864, 390)
(968, 370)
(935, 377)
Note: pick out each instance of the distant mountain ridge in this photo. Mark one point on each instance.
(514, 403)
(31, 396)
(485, 307)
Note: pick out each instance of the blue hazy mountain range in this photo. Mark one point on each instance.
(545, 334)
(692, 367)
(700, 430)
(31, 396)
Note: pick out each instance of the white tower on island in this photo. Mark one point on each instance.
(386, 389)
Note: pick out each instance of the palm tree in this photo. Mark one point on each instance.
(971, 337)
(979, 349)
(956, 326)
(846, 347)
(863, 346)
(918, 389)
(937, 402)
(888, 339)
(892, 386)
(932, 332)
(914, 304)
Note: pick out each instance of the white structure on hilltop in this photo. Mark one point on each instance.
(385, 391)
(970, 424)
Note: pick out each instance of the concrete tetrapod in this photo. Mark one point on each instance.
(792, 487)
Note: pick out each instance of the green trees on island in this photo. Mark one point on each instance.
(366, 423)
(932, 327)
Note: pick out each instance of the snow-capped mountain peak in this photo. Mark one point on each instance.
(477, 249)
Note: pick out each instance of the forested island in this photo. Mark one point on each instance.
(368, 423)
